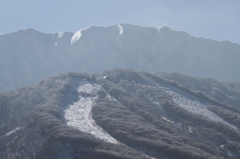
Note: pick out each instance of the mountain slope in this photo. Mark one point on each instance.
(118, 113)
(28, 55)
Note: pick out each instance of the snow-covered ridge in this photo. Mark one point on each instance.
(40, 55)
(77, 35)
(78, 113)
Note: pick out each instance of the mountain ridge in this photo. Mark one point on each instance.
(28, 55)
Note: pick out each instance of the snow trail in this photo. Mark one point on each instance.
(78, 114)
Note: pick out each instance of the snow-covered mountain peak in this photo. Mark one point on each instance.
(30, 55)
(77, 35)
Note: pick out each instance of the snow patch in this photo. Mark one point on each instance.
(78, 114)
(173, 29)
(13, 131)
(25, 29)
(60, 34)
(176, 124)
(190, 129)
(166, 119)
(77, 35)
(195, 105)
(158, 29)
(56, 44)
(120, 30)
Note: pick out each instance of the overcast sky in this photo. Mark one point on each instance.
(212, 19)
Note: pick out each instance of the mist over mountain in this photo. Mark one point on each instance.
(121, 114)
(28, 55)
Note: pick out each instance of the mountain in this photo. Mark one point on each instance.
(28, 56)
(121, 114)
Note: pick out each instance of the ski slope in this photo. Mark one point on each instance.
(77, 114)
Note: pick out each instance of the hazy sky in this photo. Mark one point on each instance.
(212, 19)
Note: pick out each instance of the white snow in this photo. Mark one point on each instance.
(194, 105)
(120, 30)
(77, 35)
(166, 119)
(56, 44)
(60, 34)
(25, 29)
(90, 55)
(158, 29)
(78, 114)
(190, 129)
(178, 125)
(173, 29)
(13, 131)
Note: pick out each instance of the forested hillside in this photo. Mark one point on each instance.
(122, 114)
